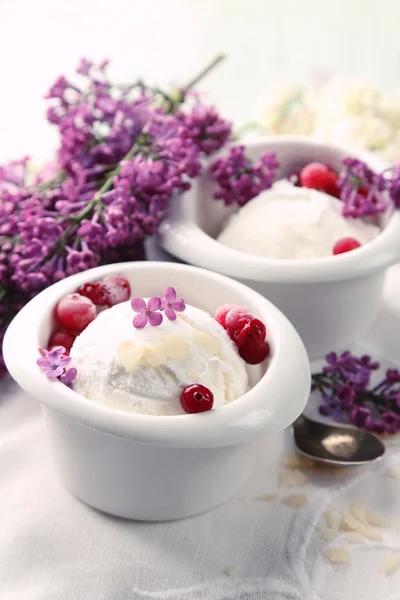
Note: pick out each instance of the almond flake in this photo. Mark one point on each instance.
(338, 555)
(375, 519)
(358, 511)
(391, 563)
(130, 355)
(350, 523)
(267, 497)
(296, 500)
(175, 346)
(355, 537)
(392, 473)
(329, 535)
(206, 341)
(298, 461)
(292, 479)
(333, 518)
(155, 355)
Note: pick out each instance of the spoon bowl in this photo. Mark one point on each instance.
(341, 445)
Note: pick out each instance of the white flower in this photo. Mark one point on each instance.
(345, 111)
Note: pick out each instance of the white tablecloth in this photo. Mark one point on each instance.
(52, 547)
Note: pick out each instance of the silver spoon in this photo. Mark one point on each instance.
(341, 445)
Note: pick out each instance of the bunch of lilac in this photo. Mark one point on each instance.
(365, 193)
(124, 152)
(240, 179)
(348, 394)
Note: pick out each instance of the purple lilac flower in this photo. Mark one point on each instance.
(68, 377)
(361, 190)
(206, 129)
(171, 304)
(344, 385)
(148, 313)
(239, 179)
(53, 362)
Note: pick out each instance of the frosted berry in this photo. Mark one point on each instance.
(318, 177)
(196, 398)
(254, 351)
(235, 320)
(118, 289)
(61, 338)
(221, 313)
(74, 312)
(96, 292)
(345, 245)
(252, 330)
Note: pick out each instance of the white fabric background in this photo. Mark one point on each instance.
(51, 546)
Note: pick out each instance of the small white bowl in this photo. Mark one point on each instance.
(330, 301)
(160, 467)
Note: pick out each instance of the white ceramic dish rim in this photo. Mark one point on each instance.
(181, 236)
(237, 422)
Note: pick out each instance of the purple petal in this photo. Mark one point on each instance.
(69, 376)
(169, 294)
(54, 373)
(43, 363)
(43, 351)
(140, 321)
(164, 304)
(138, 305)
(64, 361)
(155, 318)
(179, 305)
(55, 354)
(154, 304)
(170, 314)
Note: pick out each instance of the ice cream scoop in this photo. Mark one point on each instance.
(143, 370)
(290, 222)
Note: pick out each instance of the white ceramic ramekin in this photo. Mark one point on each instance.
(330, 301)
(156, 467)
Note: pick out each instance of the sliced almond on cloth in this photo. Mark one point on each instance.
(359, 512)
(355, 537)
(338, 555)
(392, 473)
(391, 563)
(350, 523)
(296, 500)
(267, 497)
(333, 518)
(289, 478)
(298, 461)
(329, 535)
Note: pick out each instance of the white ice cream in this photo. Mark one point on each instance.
(144, 370)
(292, 223)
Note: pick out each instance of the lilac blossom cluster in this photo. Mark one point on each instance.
(239, 179)
(348, 394)
(365, 193)
(124, 151)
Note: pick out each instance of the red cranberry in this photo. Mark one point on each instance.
(253, 329)
(318, 177)
(118, 289)
(235, 320)
(61, 338)
(74, 312)
(345, 245)
(196, 398)
(254, 351)
(96, 292)
(221, 313)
